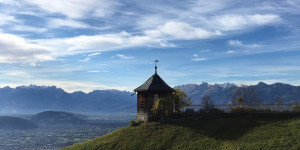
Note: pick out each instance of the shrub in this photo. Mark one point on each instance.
(178, 100)
(201, 111)
(296, 108)
(189, 111)
(181, 100)
(211, 110)
(244, 109)
(163, 106)
(134, 123)
(216, 110)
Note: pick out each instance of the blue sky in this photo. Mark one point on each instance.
(107, 44)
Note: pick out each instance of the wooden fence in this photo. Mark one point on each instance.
(228, 107)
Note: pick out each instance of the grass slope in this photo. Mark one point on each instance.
(226, 133)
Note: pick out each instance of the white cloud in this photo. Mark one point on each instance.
(159, 34)
(96, 43)
(77, 9)
(6, 19)
(88, 58)
(180, 30)
(9, 2)
(94, 71)
(17, 49)
(85, 60)
(94, 54)
(121, 56)
(235, 43)
(199, 59)
(28, 29)
(57, 23)
(16, 74)
(230, 22)
(33, 64)
(207, 7)
(231, 52)
(238, 43)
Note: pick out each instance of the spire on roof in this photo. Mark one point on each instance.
(156, 61)
(154, 83)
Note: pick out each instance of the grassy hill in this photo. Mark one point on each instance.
(57, 117)
(226, 133)
(15, 123)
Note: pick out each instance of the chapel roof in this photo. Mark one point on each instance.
(154, 83)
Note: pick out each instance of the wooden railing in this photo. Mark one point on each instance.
(228, 107)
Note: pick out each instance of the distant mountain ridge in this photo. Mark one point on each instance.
(33, 99)
(222, 93)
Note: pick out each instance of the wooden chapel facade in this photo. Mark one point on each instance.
(149, 92)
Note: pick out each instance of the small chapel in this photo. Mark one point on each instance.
(148, 93)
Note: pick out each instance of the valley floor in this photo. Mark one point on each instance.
(51, 137)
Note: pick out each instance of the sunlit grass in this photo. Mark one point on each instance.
(226, 133)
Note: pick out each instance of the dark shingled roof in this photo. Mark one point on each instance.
(154, 83)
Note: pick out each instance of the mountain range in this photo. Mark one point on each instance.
(224, 93)
(33, 99)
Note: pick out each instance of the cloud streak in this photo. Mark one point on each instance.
(180, 30)
(197, 58)
(237, 43)
(231, 22)
(181, 21)
(94, 54)
(121, 56)
(75, 8)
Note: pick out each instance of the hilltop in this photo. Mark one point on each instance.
(15, 123)
(225, 133)
(57, 117)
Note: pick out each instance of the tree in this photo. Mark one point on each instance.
(163, 106)
(240, 101)
(181, 100)
(245, 95)
(279, 101)
(206, 103)
(176, 102)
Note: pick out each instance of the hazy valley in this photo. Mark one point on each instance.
(38, 116)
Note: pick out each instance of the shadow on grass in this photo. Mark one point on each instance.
(228, 128)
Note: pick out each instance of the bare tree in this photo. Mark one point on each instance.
(279, 101)
(245, 95)
(207, 104)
